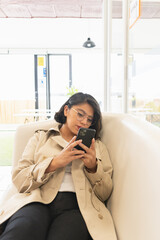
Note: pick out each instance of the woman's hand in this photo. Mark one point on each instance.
(89, 157)
(67, 155)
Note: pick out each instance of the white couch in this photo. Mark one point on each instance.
(134, 148)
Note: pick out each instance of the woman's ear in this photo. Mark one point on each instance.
(66, 110)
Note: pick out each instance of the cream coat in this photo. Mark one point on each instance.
(33, 185)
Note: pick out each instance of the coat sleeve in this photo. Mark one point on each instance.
(101, 181)
(29, 175)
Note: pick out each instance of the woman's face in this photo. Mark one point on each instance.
(78, 116)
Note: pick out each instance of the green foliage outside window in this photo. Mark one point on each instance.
(6, 147)
(71, 91)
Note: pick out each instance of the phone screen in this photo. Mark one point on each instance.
(86, 134)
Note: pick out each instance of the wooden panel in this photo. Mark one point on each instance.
(9, 109)
(67, 10)
(14, 10)
(2, 14)
(91, 11)
(150, 10)
(42, 11)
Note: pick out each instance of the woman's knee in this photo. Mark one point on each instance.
(30, 222)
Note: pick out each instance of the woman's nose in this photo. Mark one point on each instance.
(85, 121)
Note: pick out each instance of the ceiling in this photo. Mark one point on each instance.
(69, 9)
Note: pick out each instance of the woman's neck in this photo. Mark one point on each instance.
(66, 133)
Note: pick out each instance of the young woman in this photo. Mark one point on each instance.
(61, 190)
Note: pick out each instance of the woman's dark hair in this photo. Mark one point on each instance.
(79, 98)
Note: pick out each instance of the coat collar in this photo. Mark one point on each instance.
(57, 135)
(56, 127)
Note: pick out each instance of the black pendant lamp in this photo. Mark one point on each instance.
(89, 43)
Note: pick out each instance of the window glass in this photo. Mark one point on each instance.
(144, 69)
(16, 96)
(17, 87)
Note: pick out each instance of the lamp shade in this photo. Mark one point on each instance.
(89, 43)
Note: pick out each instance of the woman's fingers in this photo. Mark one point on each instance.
(86, 148)
(93, 144)
(89, 157)
(72, 140)
(77, 152)
(73, 144)
(83, 146)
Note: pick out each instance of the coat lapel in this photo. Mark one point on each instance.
(58, 139)
(79, 181)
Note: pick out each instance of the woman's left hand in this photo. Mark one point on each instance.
(89, 157)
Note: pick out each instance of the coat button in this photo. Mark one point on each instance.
(28, 194)
(1, 212)
(90, 190)
(100, 216)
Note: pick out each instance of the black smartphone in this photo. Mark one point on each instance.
(86, 134)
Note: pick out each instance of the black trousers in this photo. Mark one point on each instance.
(59, 220)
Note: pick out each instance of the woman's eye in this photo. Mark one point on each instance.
(80, 114)
(90, 120)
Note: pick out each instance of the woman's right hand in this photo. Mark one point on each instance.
(67, 155)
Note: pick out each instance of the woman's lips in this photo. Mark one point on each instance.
(79, 127)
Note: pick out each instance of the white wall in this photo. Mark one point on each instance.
(49, 33)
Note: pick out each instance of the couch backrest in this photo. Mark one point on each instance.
(24, 133)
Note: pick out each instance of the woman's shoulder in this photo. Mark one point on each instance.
(54, 130)
(39, 135)
(41, 131)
